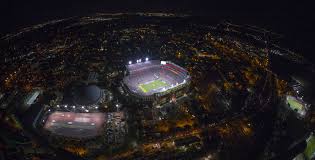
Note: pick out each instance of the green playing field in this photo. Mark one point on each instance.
(310, 148)
(294, 103)
(152, 85)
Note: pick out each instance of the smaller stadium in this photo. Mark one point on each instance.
(75, 125)
(155, 78)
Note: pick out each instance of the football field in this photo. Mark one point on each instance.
(294, 103)
(156, 84)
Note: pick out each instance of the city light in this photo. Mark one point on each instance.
(190, 91)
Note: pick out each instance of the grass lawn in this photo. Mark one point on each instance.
(152, 85)
(310, 148)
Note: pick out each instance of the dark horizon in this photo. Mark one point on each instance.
(293, 20)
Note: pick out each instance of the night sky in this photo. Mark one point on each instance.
(294, 20)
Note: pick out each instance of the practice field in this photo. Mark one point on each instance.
(156, 84)
(78, 125)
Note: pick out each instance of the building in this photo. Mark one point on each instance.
(31, 97)
(85, 95)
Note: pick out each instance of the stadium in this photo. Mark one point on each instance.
(156, 80)
(75, 125)
(77, 116)
(297, 105)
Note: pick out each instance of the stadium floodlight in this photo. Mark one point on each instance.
(139, 60)
(86, 110)
(82, 107)
(73, 107)
(130, 62)
(146, 59)
(66, 106)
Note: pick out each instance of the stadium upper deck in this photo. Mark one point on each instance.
(154, 77)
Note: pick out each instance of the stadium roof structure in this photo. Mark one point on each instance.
(87, 95)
